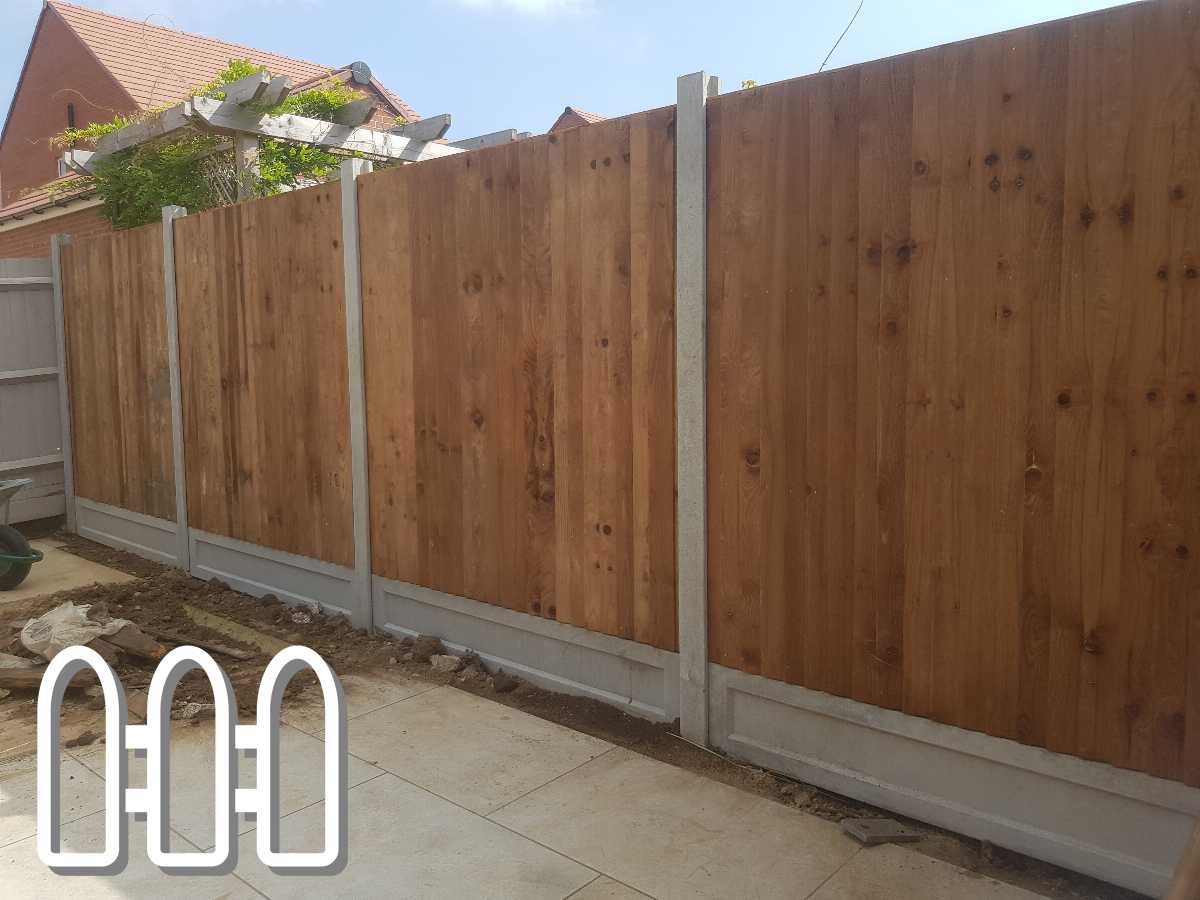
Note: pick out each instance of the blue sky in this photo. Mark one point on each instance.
(516, 63)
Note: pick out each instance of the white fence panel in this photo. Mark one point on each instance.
(30, 430)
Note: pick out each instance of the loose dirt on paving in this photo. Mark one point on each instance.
(173, 607)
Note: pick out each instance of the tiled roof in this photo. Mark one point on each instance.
(573, 116)
(159, 66)
(59, 192)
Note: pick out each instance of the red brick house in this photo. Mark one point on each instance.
(570, 117)
(85, 66)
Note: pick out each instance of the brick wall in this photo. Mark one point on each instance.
(32, 237)
(60, 70)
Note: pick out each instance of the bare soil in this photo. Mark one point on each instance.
(167, 601)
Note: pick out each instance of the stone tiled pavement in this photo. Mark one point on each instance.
(452, 795)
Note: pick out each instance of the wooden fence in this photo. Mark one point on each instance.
(517, 305)
(263, 373)
(120, 391)
(954, 355)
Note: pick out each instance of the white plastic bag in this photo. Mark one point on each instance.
(64, 626)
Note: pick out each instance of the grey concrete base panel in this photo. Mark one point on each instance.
(147, 536)
(1121, 826)
(254, 570)
(43, 498)
(637, 678)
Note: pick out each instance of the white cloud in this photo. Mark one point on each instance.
(530, 7)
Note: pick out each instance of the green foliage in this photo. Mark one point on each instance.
(237, 68)
(89, 134)
(320, 102)
(189, 170)
(137, 183)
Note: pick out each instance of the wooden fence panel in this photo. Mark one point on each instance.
(117, 359)
(955, 356)
(518, 307)
(263, 373)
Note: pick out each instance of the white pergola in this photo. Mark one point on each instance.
(236, 118)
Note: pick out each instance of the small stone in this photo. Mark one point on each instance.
(872, 831)
(503, 682)
(408, 657)
(426, 647)
(392, 660)
(4, 692)
(302, 617)
(82, 740)
(193, 710)
(444, 662)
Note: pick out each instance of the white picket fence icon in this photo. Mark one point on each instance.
(262, 737)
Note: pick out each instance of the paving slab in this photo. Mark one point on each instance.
(192, 755)
(888, 872)
(405, 842)
(472, 751)
(60, 571)
(362, 693)
(82, 793)
(671, 833)
(21, 866)
(604, 888)
(301, 776)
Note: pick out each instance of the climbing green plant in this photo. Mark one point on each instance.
(192, 169)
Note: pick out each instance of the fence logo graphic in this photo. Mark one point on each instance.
(153, 738)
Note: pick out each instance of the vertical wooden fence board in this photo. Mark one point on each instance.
(952, 385)
(521, 445)
(263, 371)
(116, 345)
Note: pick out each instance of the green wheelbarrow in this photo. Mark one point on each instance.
(16, 556)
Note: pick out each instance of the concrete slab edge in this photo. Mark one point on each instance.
(296, 580)
(637, 678)
(1121, 826)
(122, 529)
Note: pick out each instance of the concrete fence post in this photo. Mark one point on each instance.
(183, 552)
(691, 465)
(57, 242)
(363, 602)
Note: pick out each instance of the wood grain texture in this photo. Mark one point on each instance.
(117, 359)
(518, 311)
(954, 434)
(263, 373)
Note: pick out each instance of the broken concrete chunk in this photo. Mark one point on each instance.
(872, 831)
(8, 661)
(445, 663)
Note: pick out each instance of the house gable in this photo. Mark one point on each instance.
(59, 71)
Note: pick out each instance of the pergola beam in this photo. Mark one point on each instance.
(354, 113)
(429, 129)
(231, 118)
(228, 117)
(247, 89)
